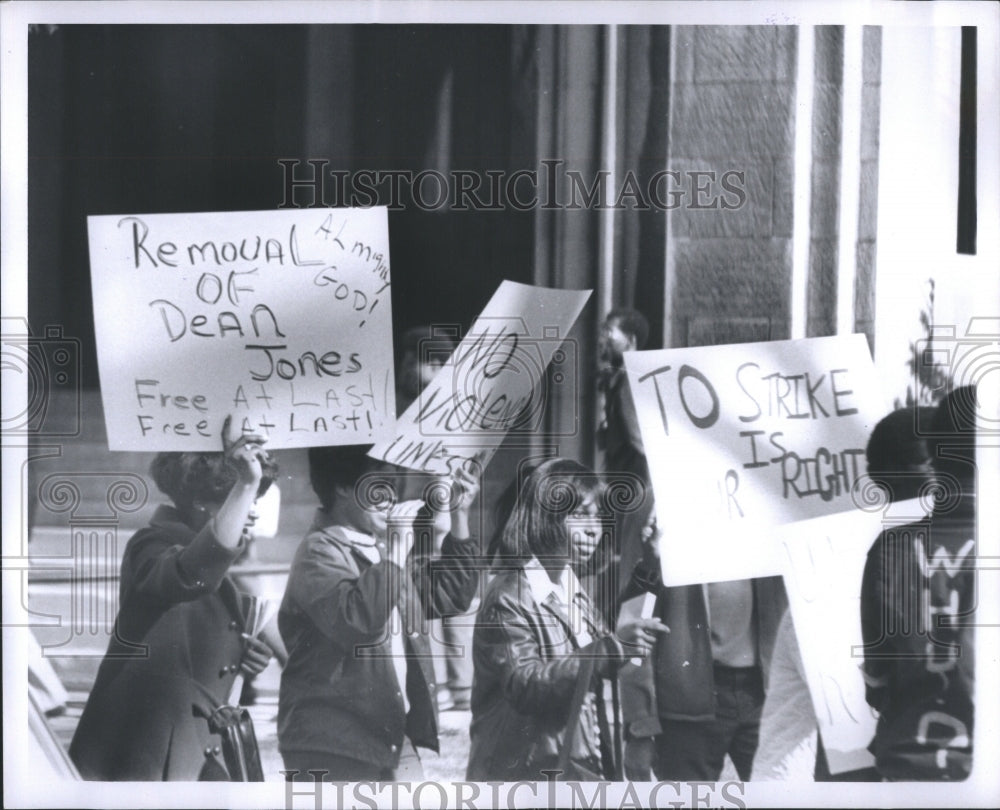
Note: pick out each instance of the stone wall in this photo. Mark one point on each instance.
(732, 109)
(871, 96)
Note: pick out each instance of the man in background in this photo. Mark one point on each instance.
(623, 330)
(918, 598)
(698, 697)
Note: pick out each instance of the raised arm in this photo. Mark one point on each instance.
(447, 584)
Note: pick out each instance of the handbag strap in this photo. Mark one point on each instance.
(239, 739)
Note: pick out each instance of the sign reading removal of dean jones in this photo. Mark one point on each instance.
(282, 318)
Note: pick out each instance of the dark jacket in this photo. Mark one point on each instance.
(676, 681)
(620, 435)
(919, 583)
(526, 664)
(627, 473)
(339, 689)
(176, 646)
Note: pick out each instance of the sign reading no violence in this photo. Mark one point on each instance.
(281, 318)
(496, 381)
(743, 438)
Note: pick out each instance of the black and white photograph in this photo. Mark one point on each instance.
(472, 404)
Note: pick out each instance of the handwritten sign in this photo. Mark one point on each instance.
(743, 438)
(494, 383)
(823, 562)
(282, 318)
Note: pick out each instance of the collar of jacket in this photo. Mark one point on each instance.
(166, 515)
(359, 542)
(542, 585)
(565, 599)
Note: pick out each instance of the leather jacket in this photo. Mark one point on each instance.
(526, 663)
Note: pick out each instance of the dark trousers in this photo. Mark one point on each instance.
(696, 750)
(347, 769)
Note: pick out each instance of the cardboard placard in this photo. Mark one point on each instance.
(281, 318)
(823, 563)
(743, 438)
(494, 383)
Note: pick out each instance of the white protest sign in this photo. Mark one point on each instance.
(281, 318)
(494, 383)
(823, 563)
(743, 438)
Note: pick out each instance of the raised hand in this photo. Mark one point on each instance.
(461, 488)
(400, 529)
(246, 449)
(248, 453)
(464, 489)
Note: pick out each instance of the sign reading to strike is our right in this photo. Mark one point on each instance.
(743, 438)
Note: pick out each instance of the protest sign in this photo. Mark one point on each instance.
(494, 383)
(823, 563)
(743, 438)
(281, 318)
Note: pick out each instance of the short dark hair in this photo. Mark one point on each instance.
(897, 454)
(208, 477)
(952, 440)
(338, 466)
(549, 494)
(631, 322)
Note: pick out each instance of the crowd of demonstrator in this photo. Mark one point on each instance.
(559, 682)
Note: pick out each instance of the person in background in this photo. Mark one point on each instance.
(179, 637)
(897, 456)
(918, 598)
(535, 632)
(899, 464)
(357, 692)
(623, 330)
(699, 695)
(618, 436)
(421, 354)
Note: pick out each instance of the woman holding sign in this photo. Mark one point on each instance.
(540, 646)
(358, 692)
(179, 637)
